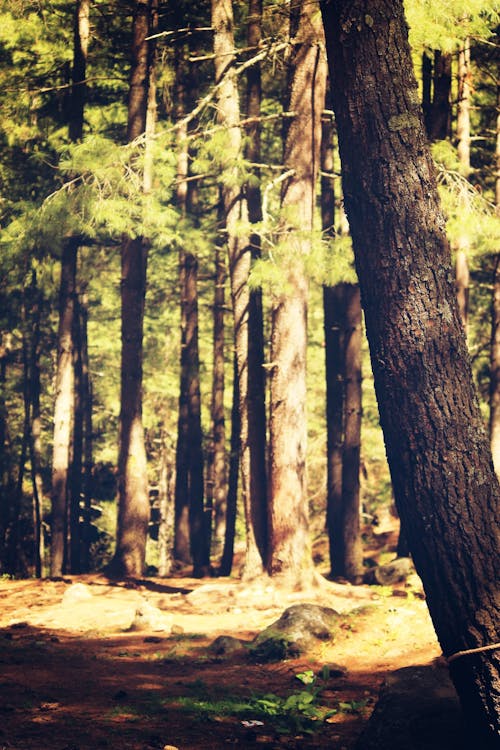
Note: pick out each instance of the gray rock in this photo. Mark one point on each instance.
(393, 572)
(298, 629)
(418, 709)
(227, 645)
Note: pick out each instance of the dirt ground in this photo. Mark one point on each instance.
(90, 663)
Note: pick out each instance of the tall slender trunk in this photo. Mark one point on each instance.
(133, 493)
(232, 492)
(257, 437)
(440, 112)
(79, 70)
(63, 408)
(495, 323)
(167, 507)
(36, 435)
(192, 529)
(239, 255)
(437, 448)
(290, 554)
(462, 248)
(217, 463)
(75, 478)
(86, 406)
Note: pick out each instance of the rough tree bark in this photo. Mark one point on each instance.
(63, 408)
(444, 483)
(133, 491)
(290, 557)
(228, 108)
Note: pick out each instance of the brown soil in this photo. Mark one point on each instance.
(75, 676)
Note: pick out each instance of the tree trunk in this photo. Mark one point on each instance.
(463, 149)
(167, 508)
(440, 114)
(192, 532)
(63, 408)
(290, 554)
(216, 464)
(36, 433)
(86, 405)
(228, 109)
(133, 492)
(257, 437)
(75, 479)
(232, 491)
(495, 325)
(343, 318)
(78, 73)
(444, 483)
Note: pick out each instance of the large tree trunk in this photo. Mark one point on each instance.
(133, 493)
(290, 553)
(238, 256)
(63, 408)
(495, 324)
(444, 483)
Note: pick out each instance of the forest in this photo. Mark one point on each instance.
(250, 296)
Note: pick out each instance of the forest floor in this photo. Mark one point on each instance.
(79, 669)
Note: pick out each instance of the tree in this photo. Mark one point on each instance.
(290, 556)
(133, 500)
(437, 448)
(239, 256)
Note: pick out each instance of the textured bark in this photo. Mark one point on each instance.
(444, 483)
(78, 73)
(133, 491)
(439, 124)
(239, 256)
(343, 319)
(257, 437)
(86, 405)
(290, 554)
(462, 249)
(216, 492)
(232, 491)
(192, 528)
(63, 408)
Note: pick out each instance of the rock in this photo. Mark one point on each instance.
(418, 709)
(393, 572)
(77, 592)
(148, 617)
(298, 629)
(226, 645)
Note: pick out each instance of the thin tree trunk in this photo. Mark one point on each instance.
(216, 464)
(290, 557)
(462, 249)
(192, 531)
(167, 508)
(495, 325)
(257, 437)
(63, 408)
(79, 70)
(427, 90)
(438, 452)
(343, 318)
(238, 256)
(86, 405)
(36, 432)
(440, 114)
(232, 492)
(75, 478)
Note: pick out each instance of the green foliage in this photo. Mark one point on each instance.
(445, 24)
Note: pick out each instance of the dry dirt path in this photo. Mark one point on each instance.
(86, 663)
